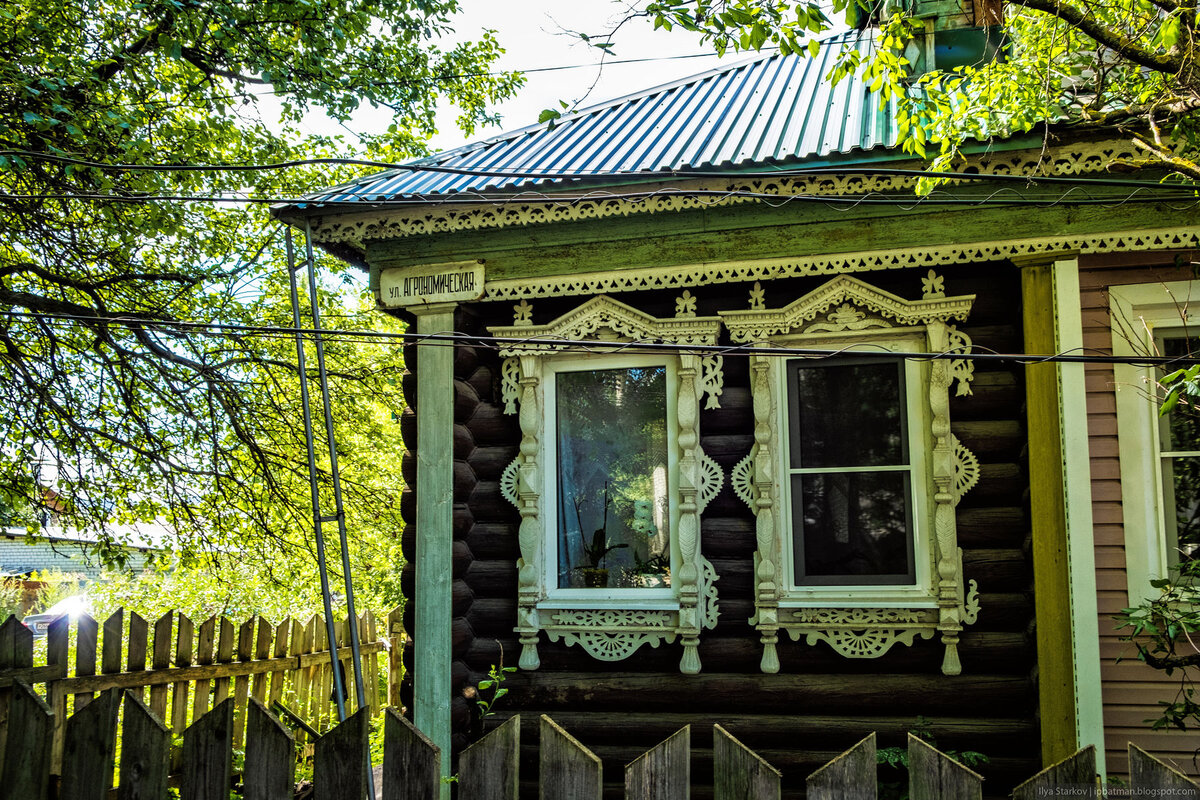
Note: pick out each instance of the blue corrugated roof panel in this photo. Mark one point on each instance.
(769, 110)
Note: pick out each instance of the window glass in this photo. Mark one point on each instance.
(1179, 448)
(850, 473)
(613, 516)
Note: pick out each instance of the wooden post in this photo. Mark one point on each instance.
(395, 635)
(741, 774)
(25, 769)
(204, 656)
(207, 752)
(58, 646)
(136, 658)
(262, 651)
(340, 760)
(86, 632)
(224, 656)
(566, 767)
(933, 775)
(90, 744)
(161, 659)
(270, 756)
(145, 752)
(1149, 777)
(283, 637)
(489, 769)
(664, 772)
(16, 652)
(411, 763)
(850, 776)
(1074, 773)
(1048, 517)
(241, 684)
(435, 530)
(183, 658)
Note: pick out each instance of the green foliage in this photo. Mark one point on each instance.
(198, 430)
(1166, 632)
(893, 780)
(495, 683)
(1126, 65)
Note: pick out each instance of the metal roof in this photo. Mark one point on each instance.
(770, 110)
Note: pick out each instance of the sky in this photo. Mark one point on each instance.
(532, 33)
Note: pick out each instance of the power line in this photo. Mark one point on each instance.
(516, 173)
(541, 344)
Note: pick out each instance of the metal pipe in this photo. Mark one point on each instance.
(326, 599)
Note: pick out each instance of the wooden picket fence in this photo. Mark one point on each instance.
(193, 668)
(487, 770)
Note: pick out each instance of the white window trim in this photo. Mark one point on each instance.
(611, 624)
(1139, 312)
(921, 591)
(858, 621)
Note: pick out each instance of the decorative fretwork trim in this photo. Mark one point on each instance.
(443, 215)
(766, 269)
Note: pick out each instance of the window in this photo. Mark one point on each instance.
(855, 468)
(611, 481)
(612, 485)
(850, 473)
(1160, 457)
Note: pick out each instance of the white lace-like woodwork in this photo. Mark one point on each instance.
(841, 312)
(612, 633)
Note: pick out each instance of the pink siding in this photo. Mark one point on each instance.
(1131, 690)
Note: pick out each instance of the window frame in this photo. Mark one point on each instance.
(920, 487)
(1139, 315)
(860, 621)
(610, 624)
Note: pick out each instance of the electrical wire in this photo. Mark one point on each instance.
(542, 344)
(419, 166)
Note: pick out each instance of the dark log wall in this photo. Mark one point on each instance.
(820, 703)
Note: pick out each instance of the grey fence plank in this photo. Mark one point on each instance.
(1074, 773)
(488, 770)
(850, 776)
(741, 774)
(664, 771)
(566, 767)
(340, 760)
(933, 775)
(270, 756)
(145, 749)
(25, 770)
(411, 763)
(89, 747)
(1153, 778)
(207, 749)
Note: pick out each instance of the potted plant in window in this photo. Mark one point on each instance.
(594, 575)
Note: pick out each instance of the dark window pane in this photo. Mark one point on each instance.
(613, 513)
(847, 414)
(1181, 428)
(1181, 482)
(852, 528)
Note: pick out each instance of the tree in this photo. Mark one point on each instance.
(1125, 66)
(162, 418)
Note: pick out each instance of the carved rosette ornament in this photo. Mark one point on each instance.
(612, 627)
(843, 312)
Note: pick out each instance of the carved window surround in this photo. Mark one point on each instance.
(860, 621)
(611, 624)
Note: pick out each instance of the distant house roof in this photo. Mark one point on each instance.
(771, 110)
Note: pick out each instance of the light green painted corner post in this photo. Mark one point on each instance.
(1060, 512)
(435, 532)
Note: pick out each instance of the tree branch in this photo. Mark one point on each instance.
(1087, 24)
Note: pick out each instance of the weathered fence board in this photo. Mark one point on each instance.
(489, 769)
(160, 660)
(25, 770)
(412, 765)
(89, 747)
(207, 749)
(663, 772)
(741, 774)
(270, 756)
(340, 759)
(183, 659)
(933, 775)
(1076, 772)
(145, 748)
(1149, 777)
(567, 768)
(850, 776)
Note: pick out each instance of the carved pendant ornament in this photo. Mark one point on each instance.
(847, 312)
(679, 603)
